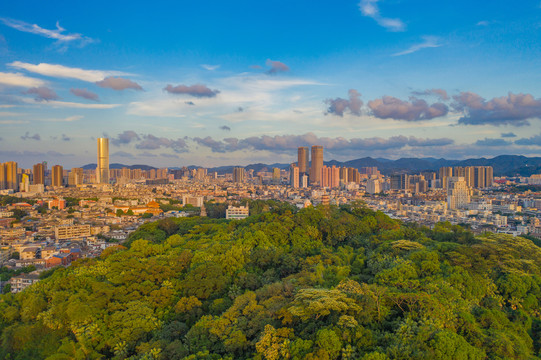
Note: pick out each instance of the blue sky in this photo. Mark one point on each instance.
(220, 83)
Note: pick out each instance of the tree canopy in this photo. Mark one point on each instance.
(319, 283)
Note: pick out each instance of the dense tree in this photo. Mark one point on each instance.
(318, 283)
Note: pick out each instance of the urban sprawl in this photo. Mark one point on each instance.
(51, 217)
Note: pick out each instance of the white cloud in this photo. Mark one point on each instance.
(253, 91)
(11, 122)
(429, 42)
(61, 71)
(19, 80)
(66, 104)
(210, 67)
(370, 9)
(56, 34)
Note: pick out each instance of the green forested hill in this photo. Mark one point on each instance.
(322, 283)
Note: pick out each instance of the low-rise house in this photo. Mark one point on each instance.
(20, 282)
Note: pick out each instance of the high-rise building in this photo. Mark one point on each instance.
(3, 182)
(344, 175)
(102, 170)
(373, 186)
(75, 177)
(24, 186)
(458, 192)
(294, 176)
(444, 173)
(39, 174)
(57, 176)
(303, 159)
(238, 175)
(399, 182)
(316, 165)
(11, 176)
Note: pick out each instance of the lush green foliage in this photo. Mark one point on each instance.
(322, 283)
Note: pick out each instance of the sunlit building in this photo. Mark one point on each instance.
(102, 170)
(316, 165)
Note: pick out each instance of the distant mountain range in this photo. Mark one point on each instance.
(509, 165)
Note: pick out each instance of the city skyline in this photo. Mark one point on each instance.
(214, 84)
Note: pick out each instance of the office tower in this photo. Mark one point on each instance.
(102, 170)
(294, 176)
(11, 176)
(316, 165)
(238, 175)
(458, 193)
(57, 176)
(303, 160)
(39, 174)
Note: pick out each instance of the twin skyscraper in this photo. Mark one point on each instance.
(313, 169)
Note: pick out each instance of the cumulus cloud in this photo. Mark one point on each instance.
(19, 80)
(513, 109)
(125, 138)
(56, 34)
(288, 143)
(389, 107)
(440, 93)
(118, 83)
(85, 94)
(508, 135)
(531, 141)
(338, 106)
(428, 42)
(225, 128)
(276, 67)
(61, 71)
(492, 142)
(197, 90)
(169, 155)
(27, 136)
(370, 9)
(151, 142)
(42, 93)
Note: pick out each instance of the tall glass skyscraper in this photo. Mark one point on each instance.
(102, 170)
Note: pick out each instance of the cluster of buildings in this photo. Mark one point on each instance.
(77, 214)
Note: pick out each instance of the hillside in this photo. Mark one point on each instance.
(320, 283)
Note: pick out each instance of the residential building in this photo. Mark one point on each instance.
(237, 212)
